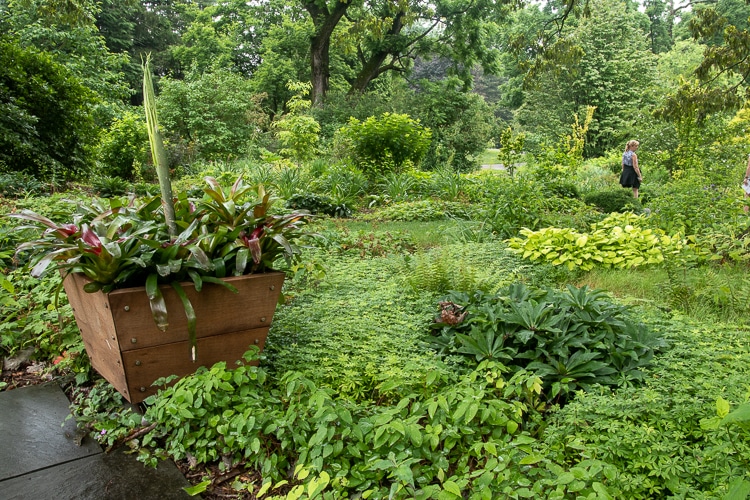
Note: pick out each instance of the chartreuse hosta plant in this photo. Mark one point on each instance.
(619, 241)
(119, 244)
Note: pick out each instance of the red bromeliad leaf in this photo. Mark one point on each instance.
(91, 239)
(255, 251)
(67, 230)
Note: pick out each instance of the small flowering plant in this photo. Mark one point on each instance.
(119, 244)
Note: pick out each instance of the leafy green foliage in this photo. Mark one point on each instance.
(404, 450)
(561, 189)
(571, 339)
(692, 207)
(32, 315)
(516, 205)
(656, 436)
(213, 125)
(398, 187)
(46, 129)
(345, 184)
(122, 148)
(423, 210)
(110, 187)
(511, 149)
(461, 124)
(446, 269)
(709, 292)
(117, 244)
(298, 131)
(617, 241)
(19, 185)
(387, 143)
(317, 204)
(617, 200)
(591, 65)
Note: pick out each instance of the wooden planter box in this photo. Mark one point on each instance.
(130, 352)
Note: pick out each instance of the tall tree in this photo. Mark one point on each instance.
(325, 18)
(612, 70)
(386, 35)
(723, 76)
(660, 27)
(58, 83)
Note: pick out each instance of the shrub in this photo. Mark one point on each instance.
(615, 200)
(387, 143)
(298, 131)
(19, 185)
(318, 204)
(516, 205)
(692, 207)
(212, 125)
(122, 148)
(561, 189)
(145, 189)
(109, 187)
(289, 180)
(397, 186)
(343, 183)
(461, 122)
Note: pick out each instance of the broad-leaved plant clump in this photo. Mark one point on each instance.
(118, 244)
(619, 241)
(572, 339)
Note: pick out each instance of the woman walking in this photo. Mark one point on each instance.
(631, 176)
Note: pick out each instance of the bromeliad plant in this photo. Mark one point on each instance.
(120, 244)
(165, 239)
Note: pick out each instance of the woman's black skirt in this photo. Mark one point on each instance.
(628, 177)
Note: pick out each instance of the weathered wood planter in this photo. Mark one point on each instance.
(130, 352)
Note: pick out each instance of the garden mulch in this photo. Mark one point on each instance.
(43, 456)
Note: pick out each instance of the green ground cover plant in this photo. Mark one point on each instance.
(408, 425)
(660, 438)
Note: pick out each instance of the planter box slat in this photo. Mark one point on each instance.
(118, 328)
(143, 366)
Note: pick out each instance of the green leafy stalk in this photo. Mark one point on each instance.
(158, 154)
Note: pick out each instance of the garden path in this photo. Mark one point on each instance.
(41, 456)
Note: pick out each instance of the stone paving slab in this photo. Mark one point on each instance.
(32, 435)
(111, 476)
(40, 459)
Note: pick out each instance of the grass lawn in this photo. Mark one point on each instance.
(489, 157)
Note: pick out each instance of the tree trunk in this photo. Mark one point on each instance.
(325, 22)
(319, 68)
(370, 70)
